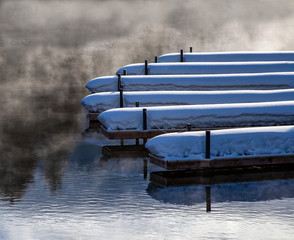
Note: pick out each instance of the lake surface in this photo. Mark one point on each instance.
(77, 194)
(54, 183)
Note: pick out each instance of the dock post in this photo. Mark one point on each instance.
(137, 139)
(145, 168)
(207, 144)
(144, 123)
(144, 119)
(155, 59)
(146, 67)
(208, 198)
(182, 55)
(121, 96)
(125, 72)
(191, 49)
(118, 81)
(121, 104)
(189, 127)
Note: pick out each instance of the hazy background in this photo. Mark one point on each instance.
(50, 49)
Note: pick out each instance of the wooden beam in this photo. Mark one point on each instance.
(125, 151)
(132, 134)
(222, 175)
(222, 162)
(93, 116)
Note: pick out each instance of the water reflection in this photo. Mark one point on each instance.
(103, 194)
(250, 185)
(255, 191)
(44, 141)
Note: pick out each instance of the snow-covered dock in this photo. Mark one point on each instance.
(258, 81)
(129, 122)
(206, 68)
(227, 56)
(227, 148)
(232, 91)
(100, 102)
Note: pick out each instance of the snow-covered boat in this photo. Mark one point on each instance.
(99, 102)
(206, 68)
(227, 148)
(275, 80)
(200, 116)
(128, 122)
(228, 56)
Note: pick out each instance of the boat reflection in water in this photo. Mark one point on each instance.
(224, 185)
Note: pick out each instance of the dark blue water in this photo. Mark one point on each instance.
(96, 198)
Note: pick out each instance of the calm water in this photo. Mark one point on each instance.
(97, 199)
(54, 183)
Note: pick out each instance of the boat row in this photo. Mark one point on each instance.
(202, 110)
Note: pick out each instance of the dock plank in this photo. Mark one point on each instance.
(208, 177)
(132, 134)
(222, 162)
(93, 116)
(125, 151)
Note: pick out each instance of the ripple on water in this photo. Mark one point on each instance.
(113, 201)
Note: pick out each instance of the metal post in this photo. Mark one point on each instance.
(208, 199)
(191, 49)
(182, 55)
(121, 101)
(118, 81)
(144, 119)
(155, 59)
(121, 96)
(137, 139)
(189, 127)
(207, 144)
(144, 123)
(145, 169)
(146, 67)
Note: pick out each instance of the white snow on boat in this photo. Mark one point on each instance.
(208, 68)
(200, 116)
(194, 82)
(230, 143)
(228, 56)
(100, 102)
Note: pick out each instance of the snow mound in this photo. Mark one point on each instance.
(228, 56)
(100, 102)
(207, 68)
(194, 82)
(257, 141)
(200, 116)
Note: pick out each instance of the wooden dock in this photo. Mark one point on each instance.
(222, 162)
(94, 123)
(93, 116)
(208, 177)
(132, 134)
(125, 151)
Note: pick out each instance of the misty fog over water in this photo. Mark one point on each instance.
(50, 49)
